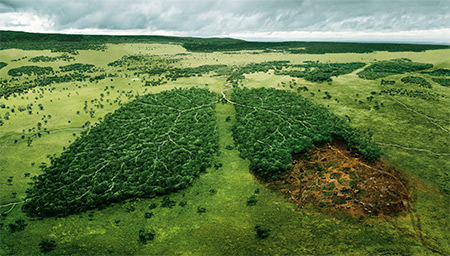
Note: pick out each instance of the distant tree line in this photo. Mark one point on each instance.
(73, 43)
(225, 45)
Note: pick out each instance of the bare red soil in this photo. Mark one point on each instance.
(333, 178)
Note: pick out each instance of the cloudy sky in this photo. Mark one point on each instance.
(273, 20)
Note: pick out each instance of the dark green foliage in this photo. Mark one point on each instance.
(64, 57)
(30, 70)
(145, 236)
(72, 43)
(149, 64)
(262, 233)
(321, 72)
(416, 80)
(251, 201)
(17, 225)
(386, 68)
(201, 210)
(264, 66)
(3, 64)
(152, 206)
(272, 125)
(47, 245)
(157, 65)
(167, 202)
(148, 215)
(78, 67)
(211, 45)
(152, 146)
(387, 82)
(442, 81)
(439, 72)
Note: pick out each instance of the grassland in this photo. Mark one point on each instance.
(412, 132)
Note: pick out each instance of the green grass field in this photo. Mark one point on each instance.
(412, 132)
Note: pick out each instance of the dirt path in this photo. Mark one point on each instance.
(223, 93)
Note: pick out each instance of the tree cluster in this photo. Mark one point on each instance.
(382, 69)
(272, 125)
(152, 146)
(30, 70)
(175, 73)
(79, 67)
(438, 72)
(63, 57)
(3, 64)
(442, 81)
(416, 80)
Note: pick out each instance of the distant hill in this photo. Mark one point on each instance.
(70, 43)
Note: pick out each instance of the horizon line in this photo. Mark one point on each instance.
(236, 37)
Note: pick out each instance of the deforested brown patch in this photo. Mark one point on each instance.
(333, 178)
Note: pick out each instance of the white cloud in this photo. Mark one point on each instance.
(368, 20)
(24, 21)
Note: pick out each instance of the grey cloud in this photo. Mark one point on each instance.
(209, 18)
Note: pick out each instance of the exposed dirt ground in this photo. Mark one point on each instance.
(333, 178)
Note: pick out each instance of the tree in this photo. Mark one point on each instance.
(47, 245)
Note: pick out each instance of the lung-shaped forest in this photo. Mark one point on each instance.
(152, 146)
(159, 143)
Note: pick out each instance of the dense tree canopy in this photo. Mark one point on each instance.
(30, 70)
(63, 57)
(152, 146)
(272, 125)
(439, 72)
(442, 81)
(78, 67)
(416, 80)
(386, 68)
